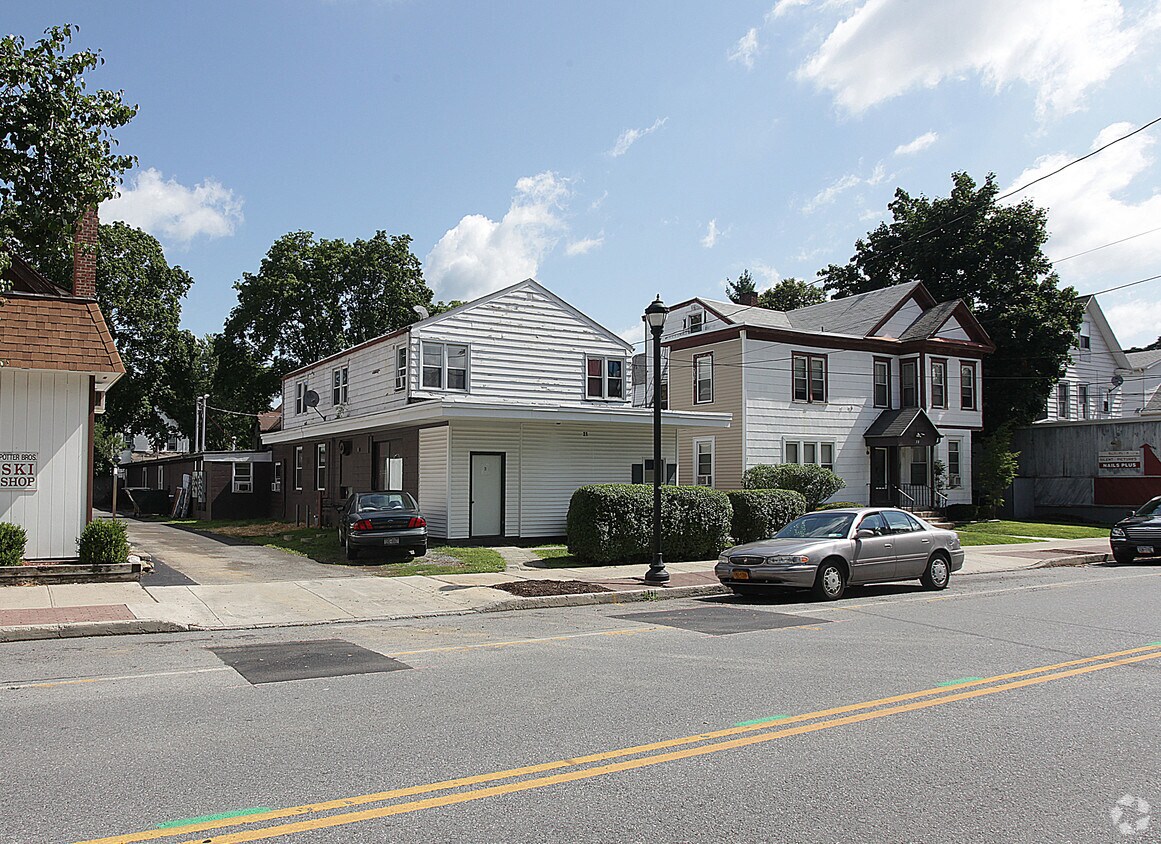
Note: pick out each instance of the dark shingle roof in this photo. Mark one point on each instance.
(903, 423)
(1142, 359)
(857, 315)
(929, 322)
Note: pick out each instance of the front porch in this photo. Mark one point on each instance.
(901, 448)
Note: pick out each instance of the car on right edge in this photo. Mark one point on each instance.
(1139, 534)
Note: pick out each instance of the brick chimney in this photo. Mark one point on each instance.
(85, 256)
(750, 299)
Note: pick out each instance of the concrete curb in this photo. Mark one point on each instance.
(628, 596)
(80, 629)
(1075, 560)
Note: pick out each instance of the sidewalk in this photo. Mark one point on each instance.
(338, 595)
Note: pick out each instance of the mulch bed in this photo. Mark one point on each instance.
(537, 588)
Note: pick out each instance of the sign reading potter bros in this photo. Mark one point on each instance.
(18, 470)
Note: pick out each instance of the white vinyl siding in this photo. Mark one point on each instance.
(433, 479)
(901, 320)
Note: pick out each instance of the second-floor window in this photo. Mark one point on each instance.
(320, 466)
(909, 383)
(300, 397)
(1084, 342)
(401, 368)
(939, 383)
(339, 378)
(604, 378)
(445, 366)
(809, 376)
(882, 383)
(967, 386)
(1063, 400)
(703, 378)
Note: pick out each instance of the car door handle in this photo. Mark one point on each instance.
(925, 541)
(886, 544)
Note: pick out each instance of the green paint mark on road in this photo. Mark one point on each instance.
(960, 680)
(761, 720)
(1152, 644)
(257, 810)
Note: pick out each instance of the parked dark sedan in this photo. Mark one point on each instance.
(826, 550)
(386, 521)
(1139, 535)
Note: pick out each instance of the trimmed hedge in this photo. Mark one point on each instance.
(837, 505)
(103, 542)
(761, 513)
(613, 523)
(13, 540)
(814, 482)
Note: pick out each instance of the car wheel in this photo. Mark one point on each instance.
(1124, 557)
(938, 572)
(830, 582)
(352, 552)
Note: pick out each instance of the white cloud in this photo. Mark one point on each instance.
(843, 184)
(1059, 48)
(784, 6)
(1135, 320)
(480, 255)
(169, 210)
(584, 245)
(711, 234)
(634, 334)
(918, 145)
(631, 136)
(746, 50)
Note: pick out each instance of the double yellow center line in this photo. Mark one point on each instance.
(335, 813)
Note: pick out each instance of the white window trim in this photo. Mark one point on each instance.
(443, 369)
(818, 444)
(340, 380)
(604, 396)
(875, 364)
(276, 476)
(697, 478)
(974, 384)
(903, 364)
(320, 467)
(400, 368)
(243, 484)
(955, 480)
(696, 322)
(299, 398)
(697, 359)
(941, 363)
(810, 357)
(298, 449)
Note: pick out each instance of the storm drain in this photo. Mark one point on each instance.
(722, 621)
(277, 662)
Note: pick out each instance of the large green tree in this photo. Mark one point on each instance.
(970, 246)
(57, 150)
(312, 298)
(790, 294)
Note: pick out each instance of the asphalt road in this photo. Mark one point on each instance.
(1010, 708)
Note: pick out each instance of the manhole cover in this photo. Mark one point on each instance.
(277, 662)
(721, 621)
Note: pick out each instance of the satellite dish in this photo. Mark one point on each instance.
(1118, 380)
(310, 399)
(422, 311)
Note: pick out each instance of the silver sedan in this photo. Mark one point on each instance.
(827, 551)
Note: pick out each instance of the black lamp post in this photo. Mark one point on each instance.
(655, 317)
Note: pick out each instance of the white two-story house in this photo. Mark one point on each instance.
(1098, 382)
(491, 414)
(877, 387)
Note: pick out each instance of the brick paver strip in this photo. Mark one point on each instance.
(65, 615)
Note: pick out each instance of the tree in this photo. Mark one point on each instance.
(743, 286)
(56, 146)
(996, 467)
(312, 298)
(140, 295)
(968, 246)
(791, 293)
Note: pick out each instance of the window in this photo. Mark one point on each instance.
(703, 378)
(320, 466)
(161, 477)
(1082, 400)
(954, 471)
(703, 462)
(696, 321)
(445, 366)
(604, 378)
(916, 458)
(809, 376)
(967, 386)
(939, 383)
(1084, 342)
(401, 368)
(642, 473)
(276, 477)
(298, 467)
(876, 524)
(1105, 404)
(900, 522)
(909, 383)
(300, 397)
(339, 379)
(816, 453)
(882, 383)
(1063, 400)
(243, 477)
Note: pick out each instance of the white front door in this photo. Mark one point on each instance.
(487, 494)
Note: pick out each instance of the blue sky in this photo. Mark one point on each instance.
(615, 151)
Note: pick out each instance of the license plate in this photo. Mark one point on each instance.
(1144, 549)
(390, 540)
(741, 574)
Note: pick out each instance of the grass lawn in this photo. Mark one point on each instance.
(322, 545)
(1008, 532)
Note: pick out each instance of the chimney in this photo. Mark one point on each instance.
(85, 256)
(750, 299)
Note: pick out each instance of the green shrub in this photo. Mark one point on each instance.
(613, 523)
(814, 482)
(838, 505)
(761, 513)
(12, 542)
(103, 542)
(962, 512)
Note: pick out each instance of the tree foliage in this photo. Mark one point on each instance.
(312, 298)
(968, 246)
(790, 294)
(742, 286)
(57, 154)
(996, 467)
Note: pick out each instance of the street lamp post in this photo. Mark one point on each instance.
(655, 318)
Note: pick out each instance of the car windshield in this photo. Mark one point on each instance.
(385, 501)
(1149, 508)
(818, 526)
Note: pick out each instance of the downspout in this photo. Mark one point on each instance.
(745, 445)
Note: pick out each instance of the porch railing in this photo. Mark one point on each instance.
(914, 496)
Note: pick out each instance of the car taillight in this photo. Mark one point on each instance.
(417, 521)
(362, 524)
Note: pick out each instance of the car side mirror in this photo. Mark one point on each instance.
(865, 533)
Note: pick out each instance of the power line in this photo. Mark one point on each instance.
(1104, 245)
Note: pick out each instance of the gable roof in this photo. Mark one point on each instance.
(860, 314)
(25, 278)
(1093, 309)
(900, 426)
(57, 332)
(1143, 360)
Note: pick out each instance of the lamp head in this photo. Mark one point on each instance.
(655, 314)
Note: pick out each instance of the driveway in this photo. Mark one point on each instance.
(215, 562)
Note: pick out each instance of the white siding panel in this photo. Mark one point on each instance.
(466, 437)
(433, 480)
(47, 412)
(901, 321)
